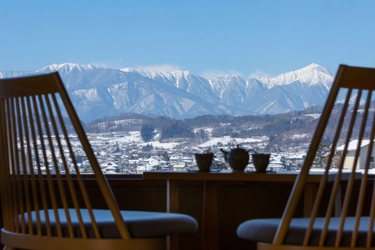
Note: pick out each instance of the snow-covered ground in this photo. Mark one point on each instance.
(132, 156)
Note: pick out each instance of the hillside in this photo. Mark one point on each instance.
(282, 130)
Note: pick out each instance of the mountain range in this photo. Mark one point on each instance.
(100, 91)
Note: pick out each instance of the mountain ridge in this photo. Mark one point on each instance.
(98, 91)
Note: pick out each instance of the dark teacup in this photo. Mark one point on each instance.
(204, 161)
(260, 162)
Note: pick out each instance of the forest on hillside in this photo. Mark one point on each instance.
(281, 129)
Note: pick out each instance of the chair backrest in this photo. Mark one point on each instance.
(42, 143)
(342, 143)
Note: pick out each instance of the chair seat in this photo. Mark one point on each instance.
(264, 230)
(141, 224)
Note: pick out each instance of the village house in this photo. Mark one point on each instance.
(352, 147)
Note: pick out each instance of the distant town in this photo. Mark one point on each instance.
(132, 144)
(120, 153)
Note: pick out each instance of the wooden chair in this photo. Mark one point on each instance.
(45, 204)
(343, 212)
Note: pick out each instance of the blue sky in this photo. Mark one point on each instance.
(206, 37)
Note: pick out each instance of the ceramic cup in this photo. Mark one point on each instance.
(204, 161)
(260, 162)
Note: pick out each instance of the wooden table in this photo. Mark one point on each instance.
(209, 227)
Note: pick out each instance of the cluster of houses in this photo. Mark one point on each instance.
(127, 154)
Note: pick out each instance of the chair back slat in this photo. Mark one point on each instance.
(39, 159)
(24, 171)
(28, 171)
(324, 180)
(43, 143)
(337, 183)
(346, 193)
(361, 197)
(43, 101)
(18, 195)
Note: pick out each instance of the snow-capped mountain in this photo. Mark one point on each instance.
(98, 91)
(313, 74)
